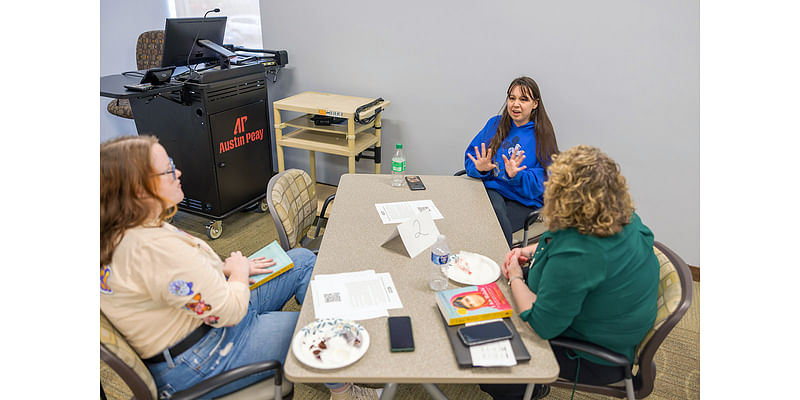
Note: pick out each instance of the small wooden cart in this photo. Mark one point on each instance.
(348, 138)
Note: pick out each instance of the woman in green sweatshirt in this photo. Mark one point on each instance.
(594, 275)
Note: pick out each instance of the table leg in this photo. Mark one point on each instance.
(351, 145)
(528, 391)
(378, 145)
(434, 391)
(389, 390)
(278, 135)
(312, 167)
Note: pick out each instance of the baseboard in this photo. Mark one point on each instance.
(695, 273)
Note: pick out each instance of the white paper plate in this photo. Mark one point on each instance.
(330, 343)
(472, 269)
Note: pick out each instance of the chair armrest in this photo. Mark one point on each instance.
(593, 349)
(460, 172)
(322, 214)
(210, 384)
(531, 218)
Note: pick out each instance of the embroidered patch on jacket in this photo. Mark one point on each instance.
(180, 288)
(211, 319)
(105, 273)
(198, 305)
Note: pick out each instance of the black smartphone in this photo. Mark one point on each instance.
(414, 183)
(400, 336)
(484, 333)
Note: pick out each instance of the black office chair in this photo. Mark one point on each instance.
(117, 354)
(674, 298)
(532, 217)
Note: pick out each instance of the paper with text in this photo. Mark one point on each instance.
(393, 213)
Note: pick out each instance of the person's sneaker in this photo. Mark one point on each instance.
(355, 392)
(540, 391)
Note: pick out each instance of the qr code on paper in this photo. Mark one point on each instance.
(332, 297)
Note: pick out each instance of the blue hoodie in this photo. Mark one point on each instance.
(527, 186)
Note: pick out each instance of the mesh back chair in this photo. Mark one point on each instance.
(120, 357)
(531, 219)
(674, 297)
(292, 201)
(149, 48)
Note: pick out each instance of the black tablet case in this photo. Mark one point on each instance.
(461, 351)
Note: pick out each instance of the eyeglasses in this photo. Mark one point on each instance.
(171, 170)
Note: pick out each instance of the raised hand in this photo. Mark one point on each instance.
(483, 159)
(513, 164)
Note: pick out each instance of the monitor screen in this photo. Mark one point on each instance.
(180, 34)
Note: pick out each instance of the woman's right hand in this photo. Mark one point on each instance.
(238, 267)
(483, 159)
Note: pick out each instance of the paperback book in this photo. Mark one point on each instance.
(472, 303)
(282, 263)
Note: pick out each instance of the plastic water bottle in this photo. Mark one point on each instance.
(398, 166)
(440, 255)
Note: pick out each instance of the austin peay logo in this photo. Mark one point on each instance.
(241, 136)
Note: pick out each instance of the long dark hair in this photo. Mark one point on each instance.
(127, 185)
(546, 144)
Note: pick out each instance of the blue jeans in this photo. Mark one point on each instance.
(263, 334)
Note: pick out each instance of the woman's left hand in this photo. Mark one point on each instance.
(512, 268)
(513, 164)
(260, 265)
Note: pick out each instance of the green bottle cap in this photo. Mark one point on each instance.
(398, 146)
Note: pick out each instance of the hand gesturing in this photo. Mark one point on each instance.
(513, 164)
(483, 162)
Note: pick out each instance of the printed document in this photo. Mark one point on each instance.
(393, 213)
(355, 295)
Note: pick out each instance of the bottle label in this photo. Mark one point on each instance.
(440, 259)
(398, 166)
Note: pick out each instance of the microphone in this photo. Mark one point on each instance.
(192, 73)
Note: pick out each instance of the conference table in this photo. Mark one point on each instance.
(354, 241)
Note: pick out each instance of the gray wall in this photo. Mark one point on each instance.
(623, 76)
(121, 22)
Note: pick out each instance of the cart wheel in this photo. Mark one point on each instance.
(264, 206)
(214, 229)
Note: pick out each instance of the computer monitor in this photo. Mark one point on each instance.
(203, 36)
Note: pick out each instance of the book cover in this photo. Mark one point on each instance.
(473, 303)
(282, 263)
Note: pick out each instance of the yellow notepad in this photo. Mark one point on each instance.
(282, 263)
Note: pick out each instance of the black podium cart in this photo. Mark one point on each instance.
(218, 135)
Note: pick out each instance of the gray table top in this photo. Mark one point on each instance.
(352, 242)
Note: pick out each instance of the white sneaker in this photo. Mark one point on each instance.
(357, 393)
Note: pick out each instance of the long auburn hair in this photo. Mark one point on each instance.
(546, 144)
(127, 189)
(586, 191)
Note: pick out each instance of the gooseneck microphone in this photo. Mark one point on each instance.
(192, 73)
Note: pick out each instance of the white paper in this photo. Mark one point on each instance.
(495, 354)
(354, 295)
(417, 233)
(393, 213)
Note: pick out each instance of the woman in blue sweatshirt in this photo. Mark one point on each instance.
(498, 155)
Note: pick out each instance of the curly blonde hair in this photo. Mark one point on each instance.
(586, 191)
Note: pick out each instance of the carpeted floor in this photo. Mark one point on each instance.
(678, 359)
